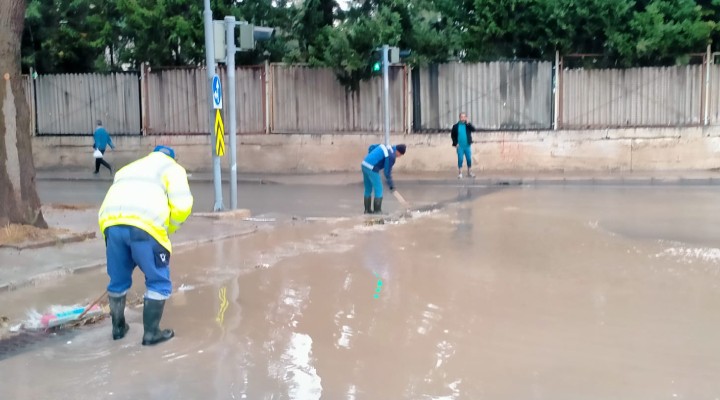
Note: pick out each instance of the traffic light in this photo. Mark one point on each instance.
(249, 34)
(376, 62)
(219, 40)
(394, 56)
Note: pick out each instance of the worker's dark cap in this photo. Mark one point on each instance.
(165, 150)
(401, 148)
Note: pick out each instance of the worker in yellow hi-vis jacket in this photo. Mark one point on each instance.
(148, 200)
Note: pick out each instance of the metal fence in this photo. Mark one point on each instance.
(310, 100)
(176, 100)
(281, 98)
(651, 96)
(714, 95)
(30, 98)
(495, 95)
(69, 104)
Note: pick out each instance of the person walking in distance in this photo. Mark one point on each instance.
(461, 136)
(380, 157)
(102, 141)
(149, 199)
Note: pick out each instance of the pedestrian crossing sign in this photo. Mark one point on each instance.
(219, 135)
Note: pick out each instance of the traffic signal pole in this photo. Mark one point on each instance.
(230, 62)
(386, 92)
(249, 34)
(210, 62)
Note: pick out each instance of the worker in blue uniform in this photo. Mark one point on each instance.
(380, 157)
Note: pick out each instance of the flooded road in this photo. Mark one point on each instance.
(524, 293)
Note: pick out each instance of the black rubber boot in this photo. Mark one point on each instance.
(117, 313)
(368, 202)
(377, 205)
(152, 313)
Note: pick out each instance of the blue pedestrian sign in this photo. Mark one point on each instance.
(217, 93)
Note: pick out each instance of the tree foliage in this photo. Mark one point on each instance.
(91, 35)
(60, 36)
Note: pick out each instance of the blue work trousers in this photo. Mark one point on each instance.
(128, 247)
(464, 151)
(372, 181)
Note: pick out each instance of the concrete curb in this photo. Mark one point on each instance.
(93, 265)
(40, 177)
(701, 178)
(241, 213)
(707, 181)
(65, 239)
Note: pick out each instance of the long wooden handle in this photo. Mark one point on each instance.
(92, 305)
(399, 198)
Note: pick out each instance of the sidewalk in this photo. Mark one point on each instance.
(433, 178)
(25, 267)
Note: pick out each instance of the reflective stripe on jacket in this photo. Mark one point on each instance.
(152, 194)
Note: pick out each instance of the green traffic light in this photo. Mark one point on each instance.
(376, 66)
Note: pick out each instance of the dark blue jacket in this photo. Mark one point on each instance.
(469, 129)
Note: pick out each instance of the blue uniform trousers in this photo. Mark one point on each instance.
(372, 181)
(127, 247)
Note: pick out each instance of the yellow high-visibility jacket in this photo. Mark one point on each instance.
(152, 194)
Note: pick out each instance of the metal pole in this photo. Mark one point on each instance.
(230, 62)
(561, 98)
(556, 90)
(144, 98)
(407, 104)
(386, 92)
(708, 63)
(210, 63)
(267, 95)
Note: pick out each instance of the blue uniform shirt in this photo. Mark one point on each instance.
(381, 157)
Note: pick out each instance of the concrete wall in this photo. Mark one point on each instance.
(585, 150)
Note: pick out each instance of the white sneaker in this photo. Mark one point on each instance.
(460, 175)
(471, 175)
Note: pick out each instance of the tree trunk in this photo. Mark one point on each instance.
(19, 202)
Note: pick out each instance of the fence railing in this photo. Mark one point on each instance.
(71, 103)
(666, 96)
(30, 98)
(310, 100)
(496, 95)
(280, 98)
(177, 100)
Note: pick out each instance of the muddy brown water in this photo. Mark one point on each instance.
(535, 293)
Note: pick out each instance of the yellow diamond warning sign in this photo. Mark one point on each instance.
(219, 135)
